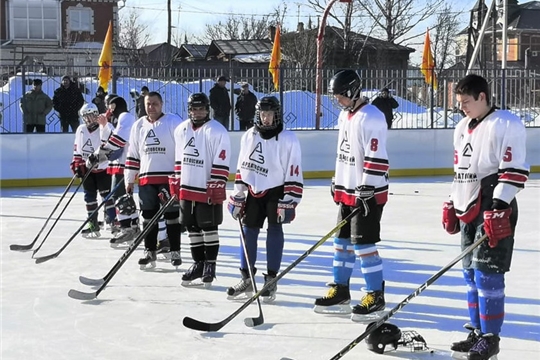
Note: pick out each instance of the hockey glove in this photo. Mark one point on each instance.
(236, 206)
(365, 199)
(333, 187)
(497, 225)
(450, 222)
(174, 185)
(164, 195)
(78, 168)
(215, 192)
(93, 160)
(286, 211)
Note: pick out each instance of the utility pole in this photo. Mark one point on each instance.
(169, 22)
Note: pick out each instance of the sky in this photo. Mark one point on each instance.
(190, 16)
(138, 315)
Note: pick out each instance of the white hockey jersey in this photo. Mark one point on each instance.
(86, 143)
(361, 154)
(151, 150)
(202, 154)
(116, 139)
(495, 146)
(266, 164)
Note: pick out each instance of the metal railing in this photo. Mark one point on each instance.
(415, 109)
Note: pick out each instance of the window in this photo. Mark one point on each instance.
(81, 19)
(34, 19)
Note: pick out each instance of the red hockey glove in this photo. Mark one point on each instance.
(497, 225)
(174, 186)
(450, 222)
(215, 192)
(78, 168)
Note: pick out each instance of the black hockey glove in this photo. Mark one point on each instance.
(365, 199)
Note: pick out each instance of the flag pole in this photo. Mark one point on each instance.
(432, 97)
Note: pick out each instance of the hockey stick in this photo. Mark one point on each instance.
(41, 259)
(16, 247)
(402, 304)
(259, 320)
(204, 326)
(61, 213)
(79, 295)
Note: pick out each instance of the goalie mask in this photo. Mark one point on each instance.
(89, 113)
(268, 117)
(125, 205)
(347, 84)
(386, 334)
(198, 109)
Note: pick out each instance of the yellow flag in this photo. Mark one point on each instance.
(428, 63)
(275, 59)
(106, 60)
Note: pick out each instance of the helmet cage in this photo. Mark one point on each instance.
(268, 103)
(198, 100)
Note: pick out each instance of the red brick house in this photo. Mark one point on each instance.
(54, 32)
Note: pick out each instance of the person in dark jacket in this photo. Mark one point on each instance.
(35, 105)
(220, 103)
(385, 102)
(67, 101)
(245, 107)
(139, 107)
(99, 100)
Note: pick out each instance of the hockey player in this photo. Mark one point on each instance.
(87, 140)
(114, 146)
(361, 182)
(268, 186)
(201, 173)
(151, 156)
(489, 170)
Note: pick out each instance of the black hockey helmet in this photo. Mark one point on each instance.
(126, 205)
(345, 83)
(386, 334)
(109, 97)
(120, 105)
(197, 100)
(268, 103)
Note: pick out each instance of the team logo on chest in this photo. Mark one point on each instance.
(345, 146)
(151, 144)
(256, 155)
(152, 139)
(190, 149)
(87, 147)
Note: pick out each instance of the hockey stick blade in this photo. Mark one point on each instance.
(203, 326)
(79, 295)
(91, 282)
(42, 259)
(15, 247)
(252, 322)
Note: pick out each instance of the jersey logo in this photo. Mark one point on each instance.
(87, 147)
(256, 155)
(467, 151)
(466, 154)
(151, 138)
(190, 149)
(345, 146)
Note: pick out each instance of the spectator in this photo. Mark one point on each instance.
(99, 100)
(219, 101)
(385, 102)
(67, 101)
(35, 105)
(139, 107)
(245, 107)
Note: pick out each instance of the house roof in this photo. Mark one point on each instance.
(231, 48)
(526, 17)
(150, 48)
(196, 52)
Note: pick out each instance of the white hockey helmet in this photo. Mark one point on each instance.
(89, 112)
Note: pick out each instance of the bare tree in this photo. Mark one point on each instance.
(133, 35)
(446, 27)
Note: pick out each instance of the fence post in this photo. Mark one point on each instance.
(114, 80)
(445, 103)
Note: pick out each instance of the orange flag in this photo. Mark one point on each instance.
(106, 60)
(428, 63)
(275, 59)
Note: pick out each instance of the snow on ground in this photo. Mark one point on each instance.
(139, 314)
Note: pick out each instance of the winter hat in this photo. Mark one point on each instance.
(66, 77)
(222, 78)
(37, 82)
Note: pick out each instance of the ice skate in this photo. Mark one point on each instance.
(113, 227)
(461, 348)
(371, 307)
(126, 235)
(176, 258)
(242, 290)
(337, 301)
(486, 348)
(92, 231)
(149, 260)
(269, 295)
(193, 276)
(209, 274)
(164, 249)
